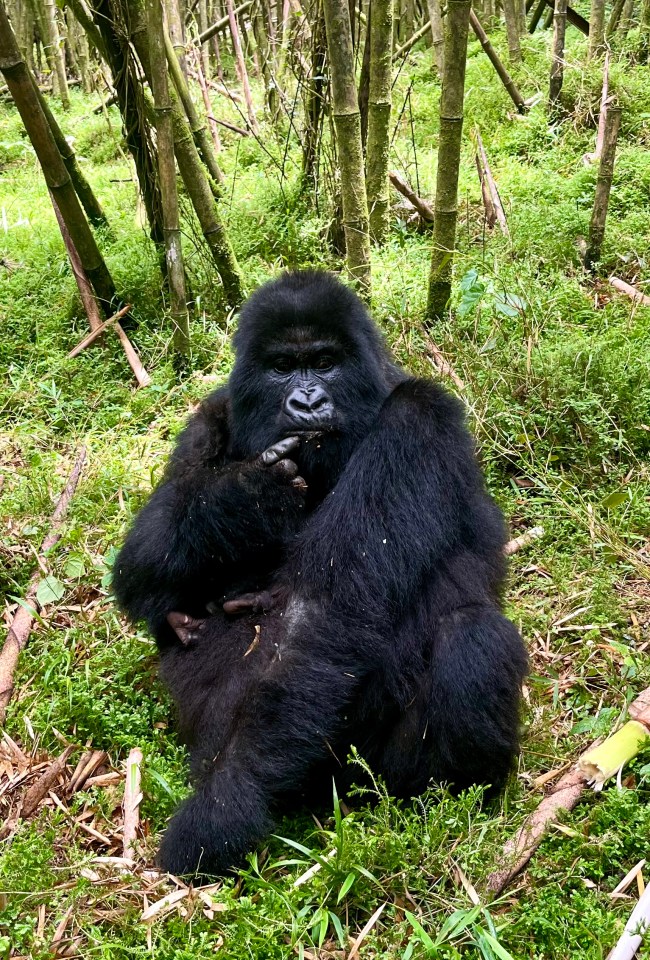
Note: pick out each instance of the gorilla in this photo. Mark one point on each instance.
(322, 567)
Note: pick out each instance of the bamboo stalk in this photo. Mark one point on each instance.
(84, 191)
(197, 126)
(437, 35)
(572, 16)
(347, 122)
(83, 284)
(631, 939)
(241, 63)
(223, 23)
(21, 625)
(596, 28)
(614, 18)
(22, 90)
(131, 804)
(401, 52)
(536, 16)
(512, 30)
(96, 331)
(167, 174)
(603, 187)
(518, 851)
(557, 65)
(379, 108)
(602, 116)
(54, 41)
(494, 59)
(451, 127)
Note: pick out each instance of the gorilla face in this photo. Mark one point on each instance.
(310, 363)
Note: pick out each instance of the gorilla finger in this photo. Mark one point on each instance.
(299, 484)
(185, 627)
(286, 468)
(279, 450)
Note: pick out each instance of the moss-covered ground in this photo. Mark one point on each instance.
(556, 375)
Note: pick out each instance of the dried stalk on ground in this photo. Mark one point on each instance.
(631, 939)
(21, 626)
(44, 784)
(630, 291)
(518, 543)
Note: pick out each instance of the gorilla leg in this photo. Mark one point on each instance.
(461, 725)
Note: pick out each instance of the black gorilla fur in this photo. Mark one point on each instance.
(355, 604)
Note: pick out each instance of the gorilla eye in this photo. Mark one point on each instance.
(282, 364)
(324, 363)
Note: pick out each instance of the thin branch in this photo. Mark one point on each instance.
(21, 625)
(423, 208)
(518, 543)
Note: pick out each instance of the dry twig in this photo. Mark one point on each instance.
(44, 784)
(493, 206)
(423, 208)
(21, 626)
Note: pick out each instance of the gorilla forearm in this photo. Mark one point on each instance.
(197, 528)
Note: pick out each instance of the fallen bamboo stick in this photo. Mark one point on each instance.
(631, 939)
(518, 543)
(630, 291)
(131, 804)
(518, 851)
(83, 283)
(423, 208)
(135, 363)
(21, 625)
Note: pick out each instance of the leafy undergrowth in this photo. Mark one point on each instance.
(556, 375)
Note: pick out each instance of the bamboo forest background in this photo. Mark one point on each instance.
(481, 175)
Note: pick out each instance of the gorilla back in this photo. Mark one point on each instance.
(322, 566)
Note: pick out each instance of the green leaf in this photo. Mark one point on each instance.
(345, 886)
(303, 849)
(336, 923)
(422, 934)
(615, 499)
(49, 590)
(495, 946)
(74, 566)
(456, 923)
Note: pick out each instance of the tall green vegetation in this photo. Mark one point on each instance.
(25, 97)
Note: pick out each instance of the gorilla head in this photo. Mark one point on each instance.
(309, 363)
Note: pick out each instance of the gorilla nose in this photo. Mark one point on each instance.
(308, 404)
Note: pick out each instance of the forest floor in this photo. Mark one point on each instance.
(555, 371)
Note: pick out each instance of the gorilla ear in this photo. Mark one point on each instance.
(185, 627)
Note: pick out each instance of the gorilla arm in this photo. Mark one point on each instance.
(207, 514)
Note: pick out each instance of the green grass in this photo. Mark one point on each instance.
(557, 382)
